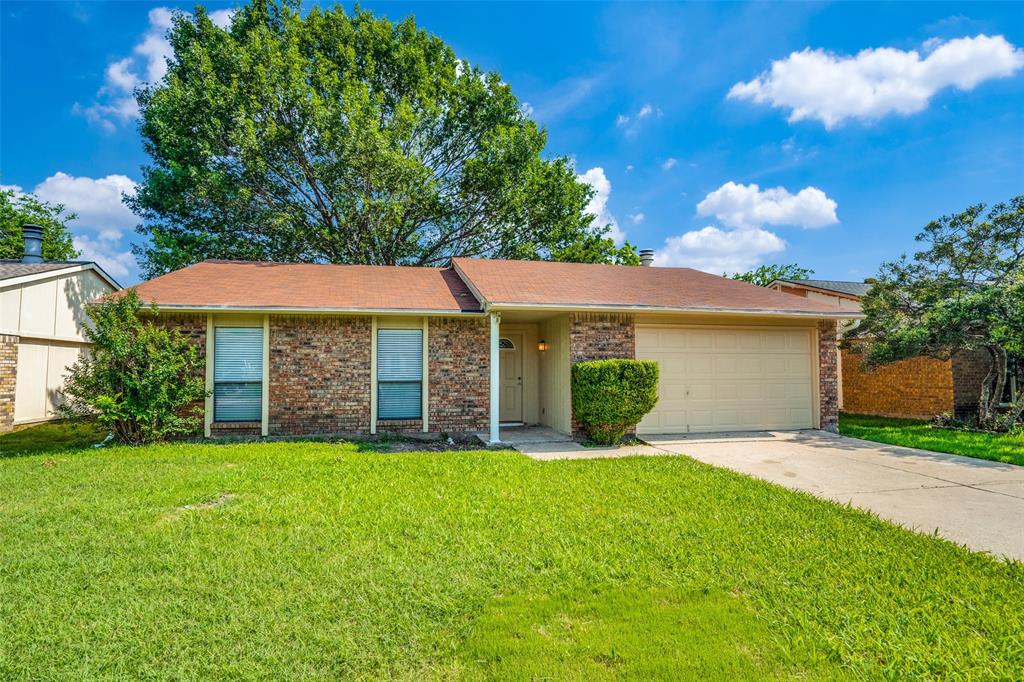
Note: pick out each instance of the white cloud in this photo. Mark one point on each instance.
(97, 201)
(745, 206)
(745, 210)
(624, 120)
(669, 164)
(822, 86)
(114, 260)
(102, 216)
(115, 101)
(119, 76)
(598, 205)
(526, 109)
(221, 18)
(629, 168)
(717, 251)
(637, 218)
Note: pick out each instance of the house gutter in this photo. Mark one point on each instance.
(558, 307)
(182, 308)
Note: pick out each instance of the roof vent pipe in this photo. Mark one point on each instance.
(646, 256)
(33, 235)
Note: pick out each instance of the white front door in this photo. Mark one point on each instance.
(729, 378)
(511, 369)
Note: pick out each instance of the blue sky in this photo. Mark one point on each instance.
(722, 135)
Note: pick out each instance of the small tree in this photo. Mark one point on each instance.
(766, 274)
(142, 381)
(611, 396)
(17, 208)
(964, 292)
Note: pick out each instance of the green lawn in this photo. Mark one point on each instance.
(915, 433)
(319, 560)
(50, 437)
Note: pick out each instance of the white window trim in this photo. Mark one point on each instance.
(211, 337)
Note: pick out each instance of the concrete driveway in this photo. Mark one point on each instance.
(969, 501)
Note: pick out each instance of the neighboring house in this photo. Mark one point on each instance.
(920, 387)
(42, 315)
(345, 349)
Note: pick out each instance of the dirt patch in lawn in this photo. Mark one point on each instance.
(210, 503)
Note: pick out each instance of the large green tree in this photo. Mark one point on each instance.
(18, 208)
(344, 138)
(963, 292)
(766, 274)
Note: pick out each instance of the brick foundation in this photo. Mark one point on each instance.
(828, 375)
(919, 388)
(319, 375)
(459, 374)
(8, 380)
(236, 429)
(600, 336)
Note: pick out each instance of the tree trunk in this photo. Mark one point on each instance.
(992, 386)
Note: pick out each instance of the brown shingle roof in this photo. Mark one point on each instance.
(541, 283)
(300, 286)
(240, 284)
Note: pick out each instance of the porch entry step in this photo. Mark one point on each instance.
(514, 435)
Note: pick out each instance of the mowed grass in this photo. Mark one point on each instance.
(318, 560)
(915, 433)
(50, 437)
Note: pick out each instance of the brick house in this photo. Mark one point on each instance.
(920, 387)
(486, 344)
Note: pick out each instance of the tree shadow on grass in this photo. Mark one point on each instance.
(53, 436)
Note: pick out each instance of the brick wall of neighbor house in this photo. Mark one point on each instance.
(459, 374)
(828, 375)
(319, 375)
(920, 387)
(8, 380)
(193, 327)
(600, 336)
(969, 370)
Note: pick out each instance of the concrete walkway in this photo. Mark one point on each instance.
(543, 443)
(973, 502)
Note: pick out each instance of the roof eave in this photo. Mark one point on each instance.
(56, 272)
(820, 290)
(559, 307)
(192, 308)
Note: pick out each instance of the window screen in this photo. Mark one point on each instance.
(399, 373)
(237, 374)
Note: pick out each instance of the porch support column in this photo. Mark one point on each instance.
(495, 377)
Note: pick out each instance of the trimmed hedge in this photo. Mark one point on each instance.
(611, 396)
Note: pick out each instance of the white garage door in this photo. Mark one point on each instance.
(728, 379)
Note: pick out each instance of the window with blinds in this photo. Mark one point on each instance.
(237, 374)
(399, 373)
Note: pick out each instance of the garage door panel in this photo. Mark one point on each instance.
(751, 391)
(728, 379)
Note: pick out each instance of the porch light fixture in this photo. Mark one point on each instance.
(543, 346)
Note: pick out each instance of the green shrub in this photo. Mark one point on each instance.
(142, 381)
(611, 396)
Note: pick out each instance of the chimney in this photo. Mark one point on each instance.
(33, 235)
(646, 256)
